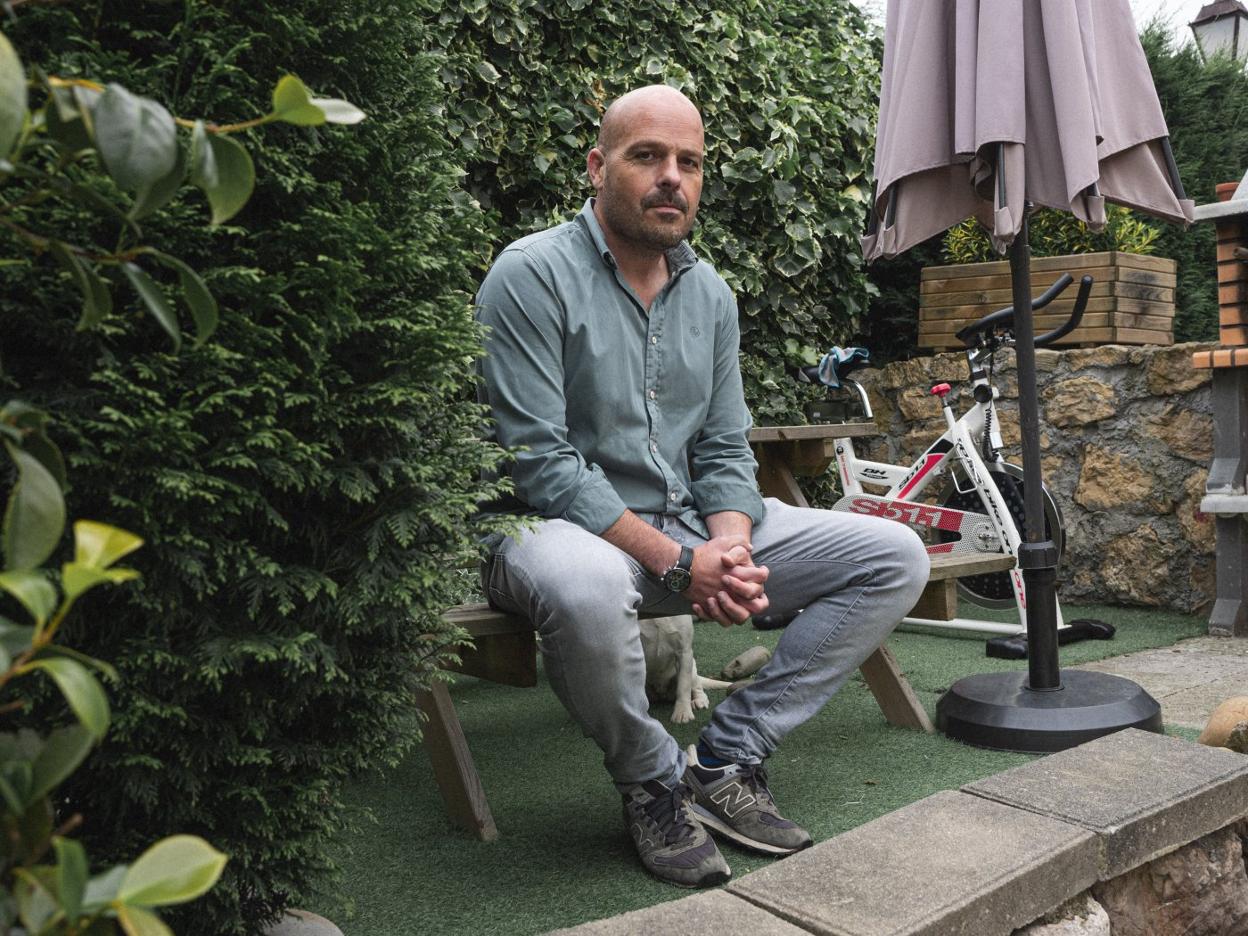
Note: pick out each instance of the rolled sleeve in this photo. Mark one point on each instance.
(524, 387)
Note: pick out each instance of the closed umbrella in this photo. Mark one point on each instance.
(988, 107)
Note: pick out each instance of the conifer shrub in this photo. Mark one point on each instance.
(788, 93)
(304, 481)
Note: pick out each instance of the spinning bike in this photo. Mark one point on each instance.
(960, 494)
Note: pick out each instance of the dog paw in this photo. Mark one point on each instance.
(700, 700)
(682, 712)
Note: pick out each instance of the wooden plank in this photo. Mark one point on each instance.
(1233, 335)
(1073, 264)
(1063, 307)
(817, 431)
(776, 480)
(893, 693)
(939, 601)
(949, 567)
(1086, 336)
(507, 659)
(453, 767)
(481, 620)
(1002, 281)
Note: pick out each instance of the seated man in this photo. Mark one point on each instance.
(612, 369)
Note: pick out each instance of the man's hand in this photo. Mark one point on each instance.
(727, 586)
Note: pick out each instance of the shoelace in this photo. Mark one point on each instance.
(755, 777)
(668, 813)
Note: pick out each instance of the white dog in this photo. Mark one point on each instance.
(671, 674)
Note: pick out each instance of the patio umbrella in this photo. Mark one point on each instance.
(988, 107)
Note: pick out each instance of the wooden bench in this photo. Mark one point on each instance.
(504, 646)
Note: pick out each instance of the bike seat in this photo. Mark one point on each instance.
(837, 365)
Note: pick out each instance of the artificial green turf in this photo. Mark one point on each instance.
(563, 856)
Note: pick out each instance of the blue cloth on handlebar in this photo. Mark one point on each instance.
(835, 360)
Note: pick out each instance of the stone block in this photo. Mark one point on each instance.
(1142, 794)
(1110, 479)
(302, 923)
(716, 912)
(1079, 401)
(948, 865)
(1080, 916)
(1199, 890)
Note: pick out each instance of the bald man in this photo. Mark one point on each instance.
(612, 372)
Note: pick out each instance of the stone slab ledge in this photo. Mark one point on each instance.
(984, 860)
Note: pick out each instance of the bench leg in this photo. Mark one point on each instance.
(901, 707)
(456, 774)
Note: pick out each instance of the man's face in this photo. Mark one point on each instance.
(649, 178)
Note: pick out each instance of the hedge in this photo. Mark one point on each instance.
(787, 90)
(302, 482)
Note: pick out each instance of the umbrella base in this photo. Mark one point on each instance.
(999, 711)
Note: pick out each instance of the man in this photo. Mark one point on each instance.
(612, 370)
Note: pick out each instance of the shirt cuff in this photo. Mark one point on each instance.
(715, 497)
(596, 506)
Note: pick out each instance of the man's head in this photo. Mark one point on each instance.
(647, 168)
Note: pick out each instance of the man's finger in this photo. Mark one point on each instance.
(734, 611)
(741, 588)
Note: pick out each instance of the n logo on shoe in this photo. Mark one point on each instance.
(732, 798)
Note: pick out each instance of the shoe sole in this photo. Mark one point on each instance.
(714, 879)
(719, 827)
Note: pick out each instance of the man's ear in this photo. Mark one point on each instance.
(595, 164)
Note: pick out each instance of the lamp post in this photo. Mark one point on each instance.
(1222, 29)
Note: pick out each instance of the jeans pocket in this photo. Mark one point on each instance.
(493, 582)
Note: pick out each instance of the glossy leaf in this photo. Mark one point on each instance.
(35, 516)
(174, 870)
(135, 921)
(198, 299)
(36, 594)
(58, 650)
(77, 578)
(136, 137)
(102, 889)
(47, 452)
(64, 121)
(81, 690)
(99, 545)
(12, 96)
(154, 298)
(97, 302)
(155, 196)
(337, 111)
(63, 750)
(222, 168)
(292, 103)
(71, 875)
(36, 901)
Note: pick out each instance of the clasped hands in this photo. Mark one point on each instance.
(727, 586)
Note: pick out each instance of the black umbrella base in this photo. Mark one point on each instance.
(998, 711)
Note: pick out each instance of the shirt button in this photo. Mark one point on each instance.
(652, 394)
(654, 446)
(654, 339)
(673, 496)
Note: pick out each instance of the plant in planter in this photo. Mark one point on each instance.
(78, 133)
(1132, 301)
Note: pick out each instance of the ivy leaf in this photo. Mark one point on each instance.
(221, 167)
(154, 298)
(489, 74)
(136, 137)
(12, 96)
(35, 516)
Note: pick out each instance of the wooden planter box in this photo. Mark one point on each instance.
(1132, 299)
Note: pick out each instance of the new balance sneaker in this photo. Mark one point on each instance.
(672, 844)
(733, 801)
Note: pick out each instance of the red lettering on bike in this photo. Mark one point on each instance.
(930, 461)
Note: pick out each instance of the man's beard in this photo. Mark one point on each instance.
(634, 227)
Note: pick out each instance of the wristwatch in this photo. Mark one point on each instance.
(680, 576)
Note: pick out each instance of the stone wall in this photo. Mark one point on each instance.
(1126, 439)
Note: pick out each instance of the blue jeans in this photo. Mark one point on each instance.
(854, 576)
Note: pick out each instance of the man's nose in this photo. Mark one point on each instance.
(669, 172)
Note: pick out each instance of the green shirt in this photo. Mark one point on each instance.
(607, 406)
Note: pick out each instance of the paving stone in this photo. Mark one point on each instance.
(1143, 794)
(302, 923)
(1189, 679)
(948, 865)
(716, 912)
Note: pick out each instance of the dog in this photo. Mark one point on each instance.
(671, 673)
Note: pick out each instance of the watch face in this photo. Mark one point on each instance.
(677, 579)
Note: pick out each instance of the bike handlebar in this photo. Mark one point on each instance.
(1005, 316)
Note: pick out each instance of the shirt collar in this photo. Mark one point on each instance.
(679, 258)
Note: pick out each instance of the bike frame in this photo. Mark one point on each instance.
(957, 448)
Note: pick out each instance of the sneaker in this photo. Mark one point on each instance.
(733, 801)
(672, 844)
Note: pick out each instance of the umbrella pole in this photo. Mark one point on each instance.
(1037, 557)
(1043, 709)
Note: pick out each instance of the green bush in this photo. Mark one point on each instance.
(1204, 104)
(1054, 233)
(787, 90)
(304, 481)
